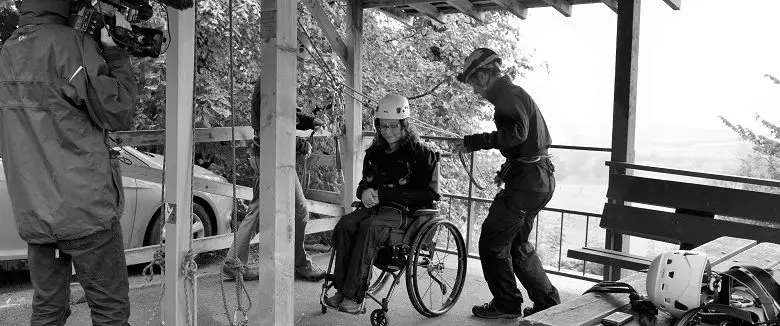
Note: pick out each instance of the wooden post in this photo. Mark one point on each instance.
(177, 209)
(277, 162)
(352, 156)
(624, 111)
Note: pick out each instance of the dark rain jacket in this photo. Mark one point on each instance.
(59, 96)
(407, 176)
(521, 132)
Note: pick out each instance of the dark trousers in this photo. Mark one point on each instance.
(505, 252)
(357, 237)
(99, 260)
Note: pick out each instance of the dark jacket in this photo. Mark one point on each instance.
(302, 122)
(521, 132)
(59, 96)
(407, 176)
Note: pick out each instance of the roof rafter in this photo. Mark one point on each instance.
(466, 7)
(391, 3)
(514, 7)
(675, 4)
(330, 31)
(612, 4)
(428, 10)
(563, 6)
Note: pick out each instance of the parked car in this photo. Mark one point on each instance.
(140, 221)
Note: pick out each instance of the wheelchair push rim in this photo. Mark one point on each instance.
(436, 269)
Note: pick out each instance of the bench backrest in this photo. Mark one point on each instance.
(688, 210)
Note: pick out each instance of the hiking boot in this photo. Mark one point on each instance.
(527, 311)
(247, 273)
(310, 273)
(351, 306)
(489, 311)
(335, 300)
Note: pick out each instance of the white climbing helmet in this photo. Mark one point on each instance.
(393, 107)
(675, 280)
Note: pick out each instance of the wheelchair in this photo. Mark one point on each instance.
(430, 252)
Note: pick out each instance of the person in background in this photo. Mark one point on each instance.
(304, 268)
(523, 139)
(398, 171)
(61, 92)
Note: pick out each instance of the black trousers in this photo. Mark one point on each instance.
(505, 252)
(99, 260)
(357, 237)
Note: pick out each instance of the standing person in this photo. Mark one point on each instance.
(304, 268)
(60, 93)
(523, 139)
(398, 170)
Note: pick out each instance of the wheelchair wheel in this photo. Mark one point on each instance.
(379, 318)
(436, 269)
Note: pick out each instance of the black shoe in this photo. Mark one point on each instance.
(527, 311)
(489, 311)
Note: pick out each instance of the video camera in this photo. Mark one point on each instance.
(139, 41)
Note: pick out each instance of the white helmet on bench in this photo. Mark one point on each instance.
(675, 280)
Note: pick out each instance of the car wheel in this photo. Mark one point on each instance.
(201, 226)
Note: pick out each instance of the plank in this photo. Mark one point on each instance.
(562, 6)
(330, 31)
(514, 7)
(466, 7)
(612, 4)
(324, 196)
(704, 175)
(609, 257)
(624, 99)
(352, 147)
(719, 200)
(428, 10)
(590, 308)
(178, 140)
(679, 228)
(674, 4)
(277, 162)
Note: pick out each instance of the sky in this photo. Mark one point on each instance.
(705, 60)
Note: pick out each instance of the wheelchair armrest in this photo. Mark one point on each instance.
(426, 211)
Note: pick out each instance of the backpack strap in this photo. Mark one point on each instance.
(645, 310)
(758, 283)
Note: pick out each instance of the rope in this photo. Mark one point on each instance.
(239, 269)
(188, 269)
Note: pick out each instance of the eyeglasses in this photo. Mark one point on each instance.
(390, 127)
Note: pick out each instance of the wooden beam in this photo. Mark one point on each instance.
(398, 15)
(202, 135)
(352, 149)
(177, 210)
(466, 7)
(624, 110)
(563, 6)
(277, 162)
(675, 4)
(514, 7)
(429, 10)
(330, 31)
(366, 4)
(612, 4)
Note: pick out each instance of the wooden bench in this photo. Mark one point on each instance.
(590, 309)
(682, 212)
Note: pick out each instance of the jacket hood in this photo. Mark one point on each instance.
(33, 12)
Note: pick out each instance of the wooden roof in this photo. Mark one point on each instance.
(404, 9)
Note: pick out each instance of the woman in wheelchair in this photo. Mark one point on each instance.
(398, 177)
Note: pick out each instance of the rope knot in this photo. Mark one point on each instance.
(188, 265)
(158, 259)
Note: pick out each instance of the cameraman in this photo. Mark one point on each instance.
(61, 92)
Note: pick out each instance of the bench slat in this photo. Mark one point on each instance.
(610, 257)
(722, 201)
(671, 227)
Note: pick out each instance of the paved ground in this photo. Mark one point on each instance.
(15, 306)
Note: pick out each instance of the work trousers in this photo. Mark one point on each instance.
(99, 260)
(250, 226)
(506, 253)
(356, 238)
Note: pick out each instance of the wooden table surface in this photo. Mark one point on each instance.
(590, 308)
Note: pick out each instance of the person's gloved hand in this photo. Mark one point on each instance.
(370, 197)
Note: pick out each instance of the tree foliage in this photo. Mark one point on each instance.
(764, 162)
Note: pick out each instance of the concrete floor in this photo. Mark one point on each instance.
(211, 310)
